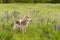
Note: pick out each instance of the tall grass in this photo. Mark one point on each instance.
(45, 24)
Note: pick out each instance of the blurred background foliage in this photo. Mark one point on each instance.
(29, 1)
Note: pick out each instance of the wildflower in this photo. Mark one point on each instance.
(59, 27)
(8, 17)
(55, 26)
(14, 12)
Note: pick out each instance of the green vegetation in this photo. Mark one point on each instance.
(29, 1)
(44, 24)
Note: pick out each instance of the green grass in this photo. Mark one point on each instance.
(34, 31)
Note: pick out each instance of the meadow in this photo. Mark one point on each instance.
(45, 24)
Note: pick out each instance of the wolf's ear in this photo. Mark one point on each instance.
(26, 16)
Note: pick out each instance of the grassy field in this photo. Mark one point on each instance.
(45, 24)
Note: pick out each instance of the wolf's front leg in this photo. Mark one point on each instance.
(23, 30)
